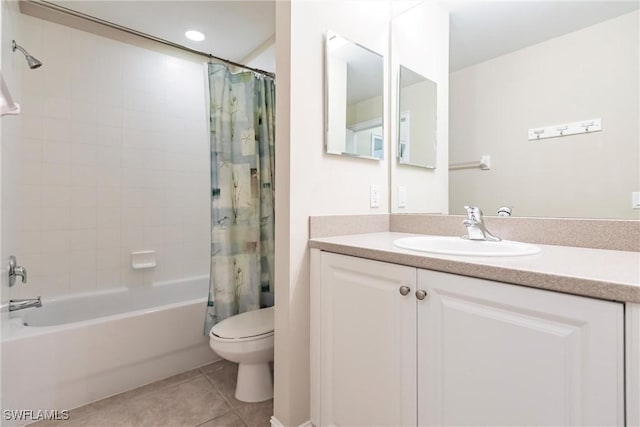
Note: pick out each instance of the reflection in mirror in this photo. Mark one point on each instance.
(572, 77)
(417, 119)
(354, 99)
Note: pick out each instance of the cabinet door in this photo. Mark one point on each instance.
(497, 354)
(367, 343)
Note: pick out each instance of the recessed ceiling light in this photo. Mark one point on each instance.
(196, 36)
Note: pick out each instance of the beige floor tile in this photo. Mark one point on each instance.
(194, 398)
(257, 414)
(186, 404)
(91, 408)
(224, 374)
(230, 419)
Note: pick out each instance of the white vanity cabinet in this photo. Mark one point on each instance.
(471, 352)
(367, 346)
(490, 353)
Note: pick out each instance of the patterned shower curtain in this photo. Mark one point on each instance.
(242, 118)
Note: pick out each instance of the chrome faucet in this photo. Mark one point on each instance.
(16, 270)
(475, 226)
(21, 304)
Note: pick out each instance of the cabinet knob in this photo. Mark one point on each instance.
(421, 294)
(404, 290)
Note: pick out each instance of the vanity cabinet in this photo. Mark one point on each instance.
(367, 342)
(470, 352)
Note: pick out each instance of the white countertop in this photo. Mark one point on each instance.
(599, 273)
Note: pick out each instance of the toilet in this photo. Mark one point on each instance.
(247, 339)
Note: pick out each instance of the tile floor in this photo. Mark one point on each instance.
(199, 398)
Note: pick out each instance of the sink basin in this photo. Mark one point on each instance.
(458, 246)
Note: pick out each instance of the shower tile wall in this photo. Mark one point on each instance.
(10, 139)
(114, 159)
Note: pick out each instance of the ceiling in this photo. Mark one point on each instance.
(233, 28)
(479, 29)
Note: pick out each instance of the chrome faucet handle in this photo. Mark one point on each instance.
(16, 271)
(474, 213)
(505, 210)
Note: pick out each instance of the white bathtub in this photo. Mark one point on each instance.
(83, 348)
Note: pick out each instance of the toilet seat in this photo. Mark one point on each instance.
(252, 325)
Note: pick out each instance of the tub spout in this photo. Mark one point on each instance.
(21, 304)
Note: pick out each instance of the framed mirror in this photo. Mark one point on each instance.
(417, 119)
(354, 84)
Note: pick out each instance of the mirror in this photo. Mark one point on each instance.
(506, 81)
(354, 84)
(417, 102)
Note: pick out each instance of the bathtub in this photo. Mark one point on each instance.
(81, 348)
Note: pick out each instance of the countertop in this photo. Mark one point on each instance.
(605, 274)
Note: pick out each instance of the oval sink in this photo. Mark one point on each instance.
(458, 246)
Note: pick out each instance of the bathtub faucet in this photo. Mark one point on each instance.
(20, 304)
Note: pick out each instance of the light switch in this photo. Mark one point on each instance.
(375, 196)
(635, 200)
(402, 197)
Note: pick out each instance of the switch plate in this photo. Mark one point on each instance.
(402, 197)
(375, 196)
(635, 200)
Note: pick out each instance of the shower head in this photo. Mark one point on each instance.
(31, 61)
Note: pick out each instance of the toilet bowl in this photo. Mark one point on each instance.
(247, 339)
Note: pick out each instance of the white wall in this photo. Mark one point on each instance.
(310, 182)
(593, 72)
(420, 41)
(115, 159)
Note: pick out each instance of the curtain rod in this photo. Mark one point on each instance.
(71, 12)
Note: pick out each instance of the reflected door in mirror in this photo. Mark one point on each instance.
(417, 120)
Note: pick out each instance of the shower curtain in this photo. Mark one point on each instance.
(242, 119)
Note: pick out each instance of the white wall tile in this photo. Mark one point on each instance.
(55, 241)
(56, 129)
(108, 176)
(107, 197)
(83, 239)
(82, 280)
(57, 107)
(109, 135)
(108, 258)
(30, 172)
(84, 133)
(31, 126)
(109, 217)
(108, 278)
(84, 89)
(31, 150)
(83, 175)
(82, 218)
(56, 152)
(55, 196)
(109, 238)
(56, 219)
(30, 197)
(114, 158)
(84, 112)
(30, 242)
(84, 154)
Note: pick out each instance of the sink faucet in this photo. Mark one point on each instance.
(21, 304)
(475, 226)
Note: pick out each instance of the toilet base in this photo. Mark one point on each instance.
(254, 382)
